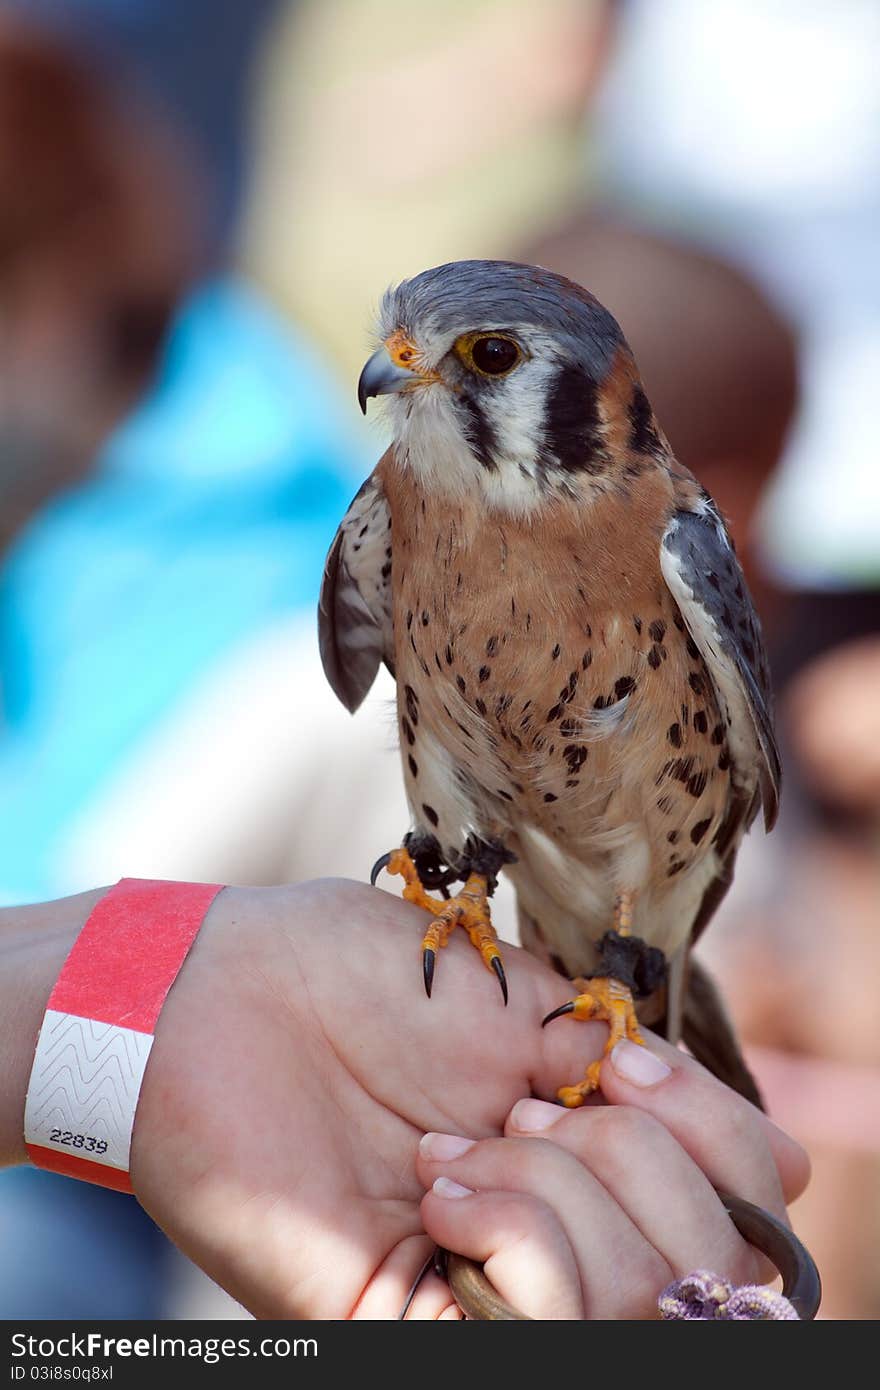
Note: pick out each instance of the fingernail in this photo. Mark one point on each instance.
(441, 1147)
(445, 1187)
(530, 1116)
(636, 1064)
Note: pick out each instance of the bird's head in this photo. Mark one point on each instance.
(508, 379)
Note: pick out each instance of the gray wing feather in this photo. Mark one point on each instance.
(704, 576)
(355, 629)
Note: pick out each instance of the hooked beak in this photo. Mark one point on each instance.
(397, 366)
(382, 377)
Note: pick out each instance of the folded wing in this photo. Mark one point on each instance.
(355, 628)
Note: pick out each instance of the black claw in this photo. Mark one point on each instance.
(381, 863)
(557, 1013)
(502, 978)
(428, 959)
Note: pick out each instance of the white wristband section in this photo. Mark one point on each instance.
(84, 1088)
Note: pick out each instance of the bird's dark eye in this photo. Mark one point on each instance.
(494, 356)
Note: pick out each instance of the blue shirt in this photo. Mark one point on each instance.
(207, 515)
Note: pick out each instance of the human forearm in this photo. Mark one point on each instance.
(34, 942)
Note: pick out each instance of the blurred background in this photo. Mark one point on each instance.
(201, 202)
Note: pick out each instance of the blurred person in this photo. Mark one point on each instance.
(95, 250)
(191, 63)
(163, 712)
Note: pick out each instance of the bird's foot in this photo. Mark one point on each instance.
(611, 1002)
(468, 908)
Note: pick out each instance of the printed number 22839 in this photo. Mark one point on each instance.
(78, 1141)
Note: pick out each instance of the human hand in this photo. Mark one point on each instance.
(591, 1213)
(297, 1064)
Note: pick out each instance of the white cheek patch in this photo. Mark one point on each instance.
(429, 440)
(430, 433)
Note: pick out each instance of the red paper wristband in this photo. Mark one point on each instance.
(98, 1029)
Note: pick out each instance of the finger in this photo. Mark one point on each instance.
(388, 1289)
(620, 1273)
(738, 1148)
(519, 1240)
(651, 1177)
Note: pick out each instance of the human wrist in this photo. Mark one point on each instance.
(201, 1034)
(35, 941)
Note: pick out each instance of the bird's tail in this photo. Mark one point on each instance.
(708, 1033)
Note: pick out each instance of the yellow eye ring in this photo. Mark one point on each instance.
(489, 354)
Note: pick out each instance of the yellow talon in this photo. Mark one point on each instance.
(469, 909)
(610, 1002)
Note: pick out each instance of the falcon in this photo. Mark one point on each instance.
(582, 690)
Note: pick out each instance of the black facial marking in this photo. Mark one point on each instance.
(555, 652)
(412, 704)
(478, 431)
(572, 422)
(586, 660)
(549, 796)
(624, 686)
(696, 683)
(718, 734)
(485, 673)
(413, 765)
(430, 813)
(657, 630)
(701, 723)
(407, 729)
(654, 657)
(693, 650)
(643, 437)
(673, 733)
(480, 706)
(492, 646)
(637, 624)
